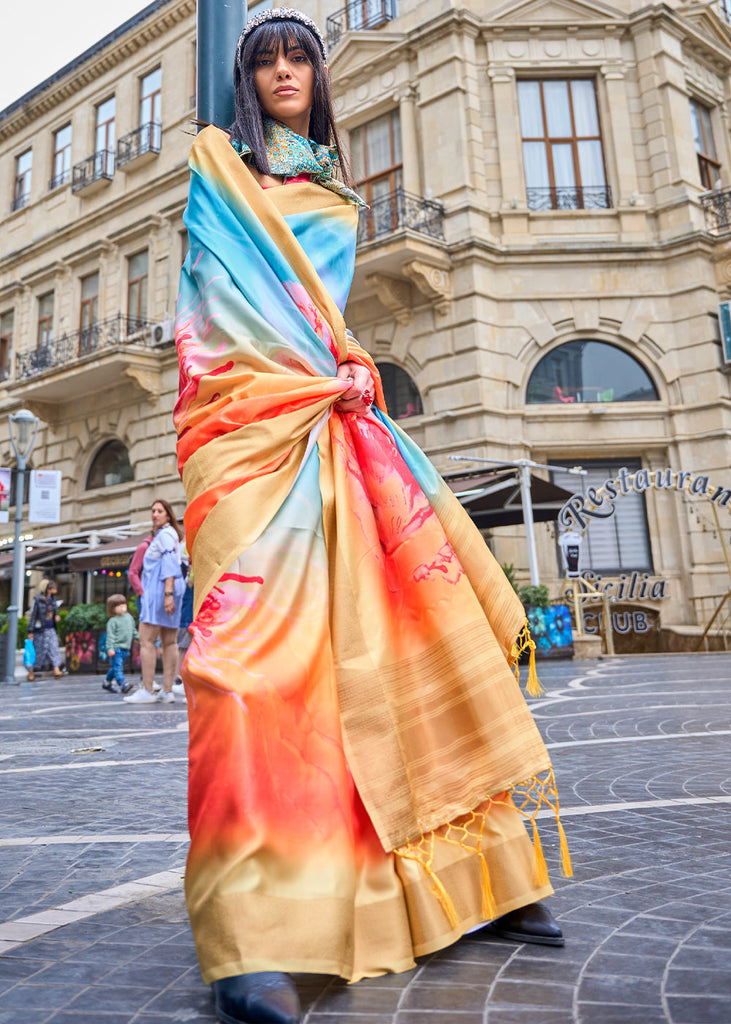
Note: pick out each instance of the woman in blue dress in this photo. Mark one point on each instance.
(162, 593)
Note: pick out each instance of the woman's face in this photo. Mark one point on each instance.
(159, 516)
(285, 86)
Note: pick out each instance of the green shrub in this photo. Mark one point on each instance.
(535, 597)
(63, 614)
(85, 616)
(22, 627)
(530, 596)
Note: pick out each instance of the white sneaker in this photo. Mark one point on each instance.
(179, 689)
(141, 696)
(166, 696)
(156, 688)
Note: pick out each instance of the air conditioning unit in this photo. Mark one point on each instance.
(163, 333)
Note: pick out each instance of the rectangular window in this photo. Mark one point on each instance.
(137, 291)
(45, 321)
(89, 313)
(104, 138)
(151, 108)
(7, 321)
(562, 145)
(621, 542)
(369, 13)
(61, 167)
(709, 166)
(375, 150)
(21, 188)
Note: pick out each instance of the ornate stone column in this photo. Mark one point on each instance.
(409, 140)
(618, 134)
(507, 129)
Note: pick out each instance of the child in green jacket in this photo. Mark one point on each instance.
(121, 631)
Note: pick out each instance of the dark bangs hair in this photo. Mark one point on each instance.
(248, 124)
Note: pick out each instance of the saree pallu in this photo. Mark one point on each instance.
(361, 758)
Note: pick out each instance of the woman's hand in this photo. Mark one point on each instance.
(169, 604)
(359, 396)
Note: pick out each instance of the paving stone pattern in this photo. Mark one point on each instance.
(92, 847)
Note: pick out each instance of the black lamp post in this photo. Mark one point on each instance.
(23, 430)
(218, 27)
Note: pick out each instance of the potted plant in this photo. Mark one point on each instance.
(550, 624)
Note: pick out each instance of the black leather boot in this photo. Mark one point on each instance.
(265, 997)
(532, 923)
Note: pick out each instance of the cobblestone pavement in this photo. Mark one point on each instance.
(92, 847)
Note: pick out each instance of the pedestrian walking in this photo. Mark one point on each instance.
(44, 620)
(361, 758)
(121, 631)
(159, 608)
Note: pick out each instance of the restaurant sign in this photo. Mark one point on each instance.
(598, 502)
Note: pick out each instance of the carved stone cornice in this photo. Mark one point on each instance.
(394, 294)
(146, 378)
(48, 412)
(432, 281)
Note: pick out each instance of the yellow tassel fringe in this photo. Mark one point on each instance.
(468, 832)
(540, 869)
(524, 642)
(567, 869)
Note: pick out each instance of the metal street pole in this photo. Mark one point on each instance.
(26, 422)
(527, 503)
(524, 467)
(219, 24)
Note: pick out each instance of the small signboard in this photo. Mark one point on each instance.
(5, 485)
(724, 322)
(44, 497)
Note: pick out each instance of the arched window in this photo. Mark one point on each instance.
(110, 466)
(589, 371)
(402, 395)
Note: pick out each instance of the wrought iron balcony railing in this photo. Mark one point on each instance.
(359, 14)
(105, 334)
(717, 210)
(399, 210)
(96, 168)
(20, 201)
(143, 140)
(570, 197)
(59, 179)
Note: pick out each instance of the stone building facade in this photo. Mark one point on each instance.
(539, 274)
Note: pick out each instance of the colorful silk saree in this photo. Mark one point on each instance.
(361, 757)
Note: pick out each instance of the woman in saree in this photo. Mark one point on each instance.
(362, 760)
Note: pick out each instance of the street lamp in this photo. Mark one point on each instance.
(23, 430)
(218, 27)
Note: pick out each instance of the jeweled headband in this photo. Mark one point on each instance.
(280, 14)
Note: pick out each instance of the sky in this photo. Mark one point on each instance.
(40, 36)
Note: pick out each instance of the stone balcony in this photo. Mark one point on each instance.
(84, 362)
(94, 173)
(401, 244)
(139, 147)
(360, 15)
